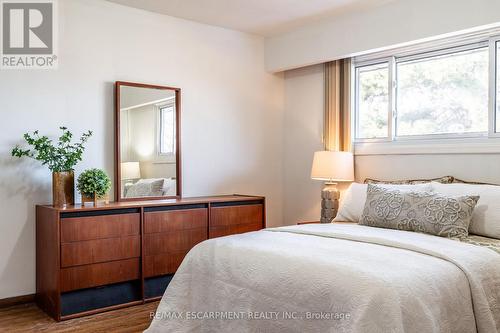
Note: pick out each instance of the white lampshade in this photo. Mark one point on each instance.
(333, 166)
(130, 170)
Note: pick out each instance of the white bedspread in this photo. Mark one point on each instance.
(333, 278)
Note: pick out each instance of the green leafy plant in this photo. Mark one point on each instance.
(59, 157)
(93, 181)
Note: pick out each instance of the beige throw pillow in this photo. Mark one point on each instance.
(442, 180)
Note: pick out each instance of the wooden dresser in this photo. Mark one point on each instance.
(94, 259)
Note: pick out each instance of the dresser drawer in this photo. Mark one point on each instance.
(161, 264)
(175, 220)
(231, 220)
(94, 275)
(231, 215)
(98, 227)
(181, 241)
(100, 250)
(233, 229)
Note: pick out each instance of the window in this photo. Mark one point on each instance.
(373, 101)
(438, 91)
(167, 130)
(443, 94)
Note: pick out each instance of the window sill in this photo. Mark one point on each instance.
(163, 162)
(429, 147)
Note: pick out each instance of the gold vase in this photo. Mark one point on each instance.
(89, 198)
(63, 188)
(94, 199)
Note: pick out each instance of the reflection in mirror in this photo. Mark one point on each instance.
(148, 142)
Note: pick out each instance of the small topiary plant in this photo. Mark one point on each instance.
(94, 182)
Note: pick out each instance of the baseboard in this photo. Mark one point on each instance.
(17, 300)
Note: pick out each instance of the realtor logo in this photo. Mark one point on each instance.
(28, 34)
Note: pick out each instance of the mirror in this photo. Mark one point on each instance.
(147, 142)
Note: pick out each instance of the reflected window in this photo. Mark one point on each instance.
(167, 130)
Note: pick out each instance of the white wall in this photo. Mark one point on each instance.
(304, 107)
(303, 131)
(394, 23)
(232, 112)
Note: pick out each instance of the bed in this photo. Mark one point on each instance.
(335, 278)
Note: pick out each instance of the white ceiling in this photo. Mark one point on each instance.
(262, 17)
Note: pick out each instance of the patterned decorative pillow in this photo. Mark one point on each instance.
(443, 180)
(145, 188)
(425, 212)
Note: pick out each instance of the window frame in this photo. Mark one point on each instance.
(494, 44)
(160, 107)
(489, 39)
(356, 99)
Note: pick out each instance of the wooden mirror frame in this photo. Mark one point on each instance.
(118, 187)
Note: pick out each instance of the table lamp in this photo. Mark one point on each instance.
(332, 167)
(130, 170)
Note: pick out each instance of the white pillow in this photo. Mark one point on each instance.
(169, 188)
(352, 202)
(145, 188)
(167, 184)
(486, 215)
